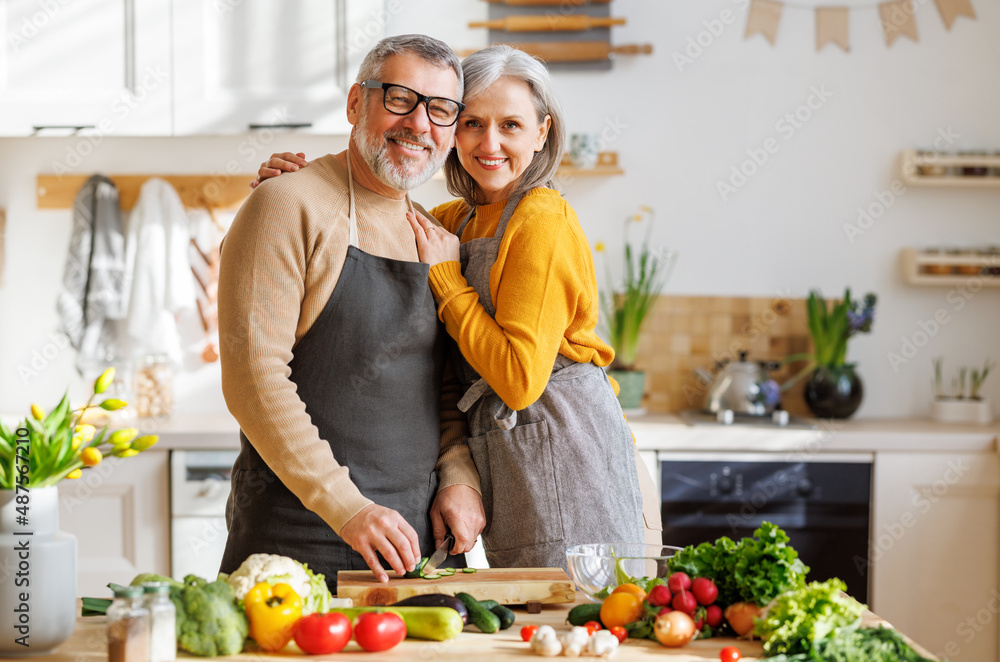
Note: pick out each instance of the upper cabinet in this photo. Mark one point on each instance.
(99, 66)
(256, 64)
(181, 67)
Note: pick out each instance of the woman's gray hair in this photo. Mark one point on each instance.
(429, 49)
(482, 69)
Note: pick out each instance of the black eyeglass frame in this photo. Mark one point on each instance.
(421, 99)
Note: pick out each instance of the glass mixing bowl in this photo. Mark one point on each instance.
(592, 566)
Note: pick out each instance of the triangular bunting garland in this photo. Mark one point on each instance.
(897, 18)
(764, 17)
(950, 9)
(831, 27)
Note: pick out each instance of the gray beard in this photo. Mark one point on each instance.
(375, 152)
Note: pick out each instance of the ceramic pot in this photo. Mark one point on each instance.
(834, 391)
(632, 386)
(37, 574)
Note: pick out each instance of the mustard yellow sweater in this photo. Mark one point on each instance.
(281, 260)
(544, 289)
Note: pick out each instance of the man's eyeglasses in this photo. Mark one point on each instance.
(400, 100)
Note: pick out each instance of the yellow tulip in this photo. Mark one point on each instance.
(76, 473)
(102, 383)
(144, 442)
(91, 457)
(646, 208)
(599, 247)
(111, 404)
(85, 432)
(37, 412)
(75, 442)
(122, 437)
(126, 452)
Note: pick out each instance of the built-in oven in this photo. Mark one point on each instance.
(823, 503)
(199, 489)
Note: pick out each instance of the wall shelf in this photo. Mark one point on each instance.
(933, 169)
(220, 191)
(607, 166)
(922, 267)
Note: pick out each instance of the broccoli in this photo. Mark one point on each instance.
(152, 577)
(209, 622)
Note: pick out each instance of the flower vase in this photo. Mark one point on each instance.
(37, 574)
(834, 391)
(631, 387)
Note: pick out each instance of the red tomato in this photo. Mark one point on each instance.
(379, 631)
(730, 654)
(592, 627)
(528, 631)
(319, 634)
(619, 632)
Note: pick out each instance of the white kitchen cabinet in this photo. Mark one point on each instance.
(101, 67)
(119, 512)
(934, 550)
(252, 64)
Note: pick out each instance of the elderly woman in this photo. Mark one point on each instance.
(516, 288)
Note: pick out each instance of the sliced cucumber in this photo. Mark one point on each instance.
(434, 576)
(469, 571)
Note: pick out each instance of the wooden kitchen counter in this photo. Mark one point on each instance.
(89, 644)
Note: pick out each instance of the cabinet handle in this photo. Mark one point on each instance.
(289, 125)
(75, 127)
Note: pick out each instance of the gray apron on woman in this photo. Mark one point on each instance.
(369, 372)
(561, 471)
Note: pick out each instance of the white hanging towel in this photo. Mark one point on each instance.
(159, 283)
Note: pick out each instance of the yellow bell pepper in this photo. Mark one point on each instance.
(273, 612)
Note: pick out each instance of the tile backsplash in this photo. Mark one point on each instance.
(684, 333)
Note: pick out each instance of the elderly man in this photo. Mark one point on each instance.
(332, 355)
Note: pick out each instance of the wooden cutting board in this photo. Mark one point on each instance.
(508, 586)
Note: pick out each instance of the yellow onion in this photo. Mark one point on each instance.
(91, 457)
(102, 383)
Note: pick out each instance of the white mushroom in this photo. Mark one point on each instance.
(545, 642)
(575, 641)
(603, 644)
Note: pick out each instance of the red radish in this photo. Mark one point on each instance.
(685, 602)
(705, 591)
(713, 615)
(659, 596)
(679, 581)
(665, 610)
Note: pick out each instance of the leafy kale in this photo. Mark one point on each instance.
(754, 569)
(863, 645)
(797, 620)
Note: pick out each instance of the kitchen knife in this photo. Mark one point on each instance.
(438, 557)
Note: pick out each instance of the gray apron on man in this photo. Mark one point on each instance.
(369, 372)
(561, 471)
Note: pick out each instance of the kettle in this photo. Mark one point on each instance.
(741, 387)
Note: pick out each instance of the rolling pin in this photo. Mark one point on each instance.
(580, 51)
(549, 23)
(536, 3)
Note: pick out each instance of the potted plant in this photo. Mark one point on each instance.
(35, 456)
(957, 407)
(626, 303)
(834, 389)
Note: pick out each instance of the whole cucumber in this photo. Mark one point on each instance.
(436, 600)
(480, 616)
(505, 615)
(581, 614)
(434, 623)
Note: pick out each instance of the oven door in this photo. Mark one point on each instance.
(822, 502)
(199, 490)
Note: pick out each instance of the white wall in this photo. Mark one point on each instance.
(683, 131)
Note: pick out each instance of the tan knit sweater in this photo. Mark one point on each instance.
(280, 263)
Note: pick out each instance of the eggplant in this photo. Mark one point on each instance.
(436, 600)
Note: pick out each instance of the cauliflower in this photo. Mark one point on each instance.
(602, 644)
(575, 641)
(545, 642)
(275, 569)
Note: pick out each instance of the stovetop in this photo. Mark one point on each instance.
(778, 419)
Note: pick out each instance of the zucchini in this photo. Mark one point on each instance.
(481, 617)
(417, 571)
(436, 600)
(581, 614)
(505, 615)
(434, 623)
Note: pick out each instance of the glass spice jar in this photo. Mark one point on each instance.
(163, 622)
(153, 388)
(128, 626)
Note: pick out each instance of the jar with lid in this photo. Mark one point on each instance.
(153, 389)
(163, 622)
(128, 626)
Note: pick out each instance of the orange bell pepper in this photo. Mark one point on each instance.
(273, 612)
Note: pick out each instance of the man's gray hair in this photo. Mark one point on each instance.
(482, 69)
(429, 49)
